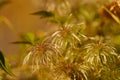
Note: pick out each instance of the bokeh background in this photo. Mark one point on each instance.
(18, 12)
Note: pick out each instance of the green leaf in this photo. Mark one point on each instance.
(28, 38)
(60, 20)
(44, 14)
(3, 65)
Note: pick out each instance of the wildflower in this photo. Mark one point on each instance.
(66, 35)
(43, 54)
(99, 54)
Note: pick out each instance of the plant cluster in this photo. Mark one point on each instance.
(68, 54)
(85, 45)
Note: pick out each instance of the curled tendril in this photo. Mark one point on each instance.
(66, 35)
(99, 54)
(42, 54)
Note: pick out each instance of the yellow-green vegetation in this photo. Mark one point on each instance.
(85, 45)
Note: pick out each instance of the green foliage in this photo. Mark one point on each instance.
(44, 14)
(60, 20)
(81, 48)
(28, 38)
(4, 66)
(74, 51)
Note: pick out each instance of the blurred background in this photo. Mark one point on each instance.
(18, 13)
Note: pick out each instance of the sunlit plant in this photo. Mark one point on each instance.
(68, 54)
(99, 53)
(44, 53)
